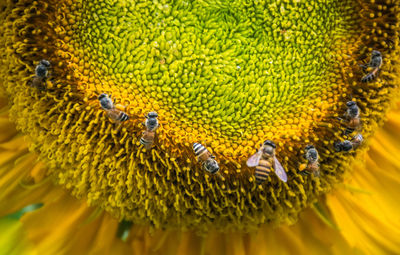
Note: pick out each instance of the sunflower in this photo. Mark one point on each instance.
(84, 78)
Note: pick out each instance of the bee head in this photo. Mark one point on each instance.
(105, 101)
(338, 146)
(211, 165)
(376, 53)
(270, 143)
(41, 71)
(268, 147)
(350, 104)
(309, 147)
(102, 95)
(343, 146)
(312, 154)
(45, 63)
(152, 115)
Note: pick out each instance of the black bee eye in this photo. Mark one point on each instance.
(309, 147)
(101, 96)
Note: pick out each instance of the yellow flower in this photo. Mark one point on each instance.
(226, 74)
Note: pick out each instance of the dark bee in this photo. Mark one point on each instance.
(347, 145)
(352, 118)
(112, 112)
(375, 63)
(312, 166)
(208, 160)
(151, 125)
(41, 75)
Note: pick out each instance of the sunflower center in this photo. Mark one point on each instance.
(233, 70)
(227, 74)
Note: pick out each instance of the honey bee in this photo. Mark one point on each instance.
(352, 118)
(375, 63)
(263, 160)
(112, 112)
(312, 165)
(151, 125)
(41, 75)
(208, 160)
(347, 145)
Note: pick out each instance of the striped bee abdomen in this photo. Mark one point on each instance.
(262, 170)
(123, 116)
(199, 150)
(117, 115)
(348, 130)
(352, 126)
(147, 139)
(144, 141)
(208, 161)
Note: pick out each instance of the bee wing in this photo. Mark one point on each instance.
(253, 160)
(113, 113)
(279, 170)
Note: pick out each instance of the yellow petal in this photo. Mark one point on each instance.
(371, 220)
(55, 223)
(61, 227)
(12, 238)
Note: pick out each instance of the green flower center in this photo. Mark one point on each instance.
(225, 65)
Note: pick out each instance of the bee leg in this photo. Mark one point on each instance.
(220, 176)
(364, 66)
(342, 121)
(303, 173)
(118, 127)
(42, 86)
